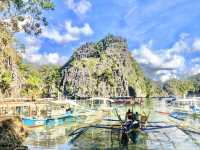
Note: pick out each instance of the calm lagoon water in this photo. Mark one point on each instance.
(57, 137)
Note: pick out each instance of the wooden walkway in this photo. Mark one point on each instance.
(168, 137)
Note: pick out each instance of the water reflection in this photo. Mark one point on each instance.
(57, 137)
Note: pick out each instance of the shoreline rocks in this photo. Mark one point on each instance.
(12, 134)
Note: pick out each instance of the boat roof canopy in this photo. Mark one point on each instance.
(102, 99)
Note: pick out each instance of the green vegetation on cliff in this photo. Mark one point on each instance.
(17, 78)
(42, 81)
(105, 68)
(195, 79)
(178, 87)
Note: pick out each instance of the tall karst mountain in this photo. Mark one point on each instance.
(105, 68)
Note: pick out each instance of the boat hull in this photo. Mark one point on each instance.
(32, 122)
(58, 120)
(179, 115)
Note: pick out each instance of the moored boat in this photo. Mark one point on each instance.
(51, 113)
(33, 122)
(179, 115)
(187, 105)
(163, 112)
(195, 109)
(60, 119)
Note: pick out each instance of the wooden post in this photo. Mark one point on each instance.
(6, 112)
(21, 110)
(30, 113)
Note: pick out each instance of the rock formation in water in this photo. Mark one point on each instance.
(105, 68)
(12, 134)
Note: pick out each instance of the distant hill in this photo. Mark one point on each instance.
(105, 68)
(178, 87)
(189, 86)
(196, 82)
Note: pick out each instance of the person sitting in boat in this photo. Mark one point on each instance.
(132, 128)
(128, 120)
(69, 110)
(144, 119)
(134, 132)
(136, 116)
(129, 115)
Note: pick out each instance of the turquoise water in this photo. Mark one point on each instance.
(57, 136)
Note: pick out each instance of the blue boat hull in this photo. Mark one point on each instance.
(58, 120)
(32, 122)
(179, 115)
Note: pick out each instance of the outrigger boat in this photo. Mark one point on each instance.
(53, 112)
(187, 105)
(179, 115)
(195, 109)
(132, 126)
(33, 122)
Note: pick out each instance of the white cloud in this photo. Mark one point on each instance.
(195, 69)
(80, 8)
(162, 64)
(161, 60)
(165, 75)
(72, 33)
(179, 46)
(33, 45)
(195, 60)
(53, 34)
(73, 30)
(32, 54)
(196, 44)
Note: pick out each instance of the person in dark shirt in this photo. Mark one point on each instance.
(129, 115)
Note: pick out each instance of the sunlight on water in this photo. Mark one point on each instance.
(57, 137)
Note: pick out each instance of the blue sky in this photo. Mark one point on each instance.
(164, 36)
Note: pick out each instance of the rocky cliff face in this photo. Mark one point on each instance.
(105, 68)
(10, 81)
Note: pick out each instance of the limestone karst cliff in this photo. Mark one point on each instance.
(105, 68)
